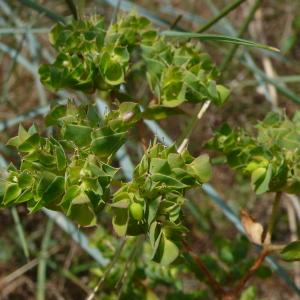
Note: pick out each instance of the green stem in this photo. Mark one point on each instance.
(107, 270)
(222, 14)
(183, 140)
(228, 58)
(20, 231)
(275, 209)
(42, 266)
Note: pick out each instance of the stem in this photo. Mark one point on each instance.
(266, 248)
(275, 209)
(227, 9)
(228, 58)
(251, 271)
(183, 141)
(107, 271)
(216, 287)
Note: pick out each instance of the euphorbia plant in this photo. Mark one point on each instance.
(74, 171)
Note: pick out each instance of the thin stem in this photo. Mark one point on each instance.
(274, 213)
(72, 8)
(42, 264)
(222, 14)
(20, 231)
(107, 271)
(266, 248)
(228, 58)
(251, 271)
(216, 287)
(183, 141)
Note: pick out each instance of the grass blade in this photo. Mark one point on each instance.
(229, 8)
(228, 58)
(43, 10)
(20, 232)
(42, 265)
(217, 38)
(77, 236)
(281, 88)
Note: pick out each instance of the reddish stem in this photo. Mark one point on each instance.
(216, 287)
(260, 259)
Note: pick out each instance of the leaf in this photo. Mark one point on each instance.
(120, 221)
(79, 134)
(12, 191)
(166, 252)
(291, 252)
(262, 187)
(61, 158)
(254, 230)
(54, 192)
(217, 38)
(159, 165)
(161, 112)
(25, 180)
(201, 168)
(81, 211)
(70, 194)
(169, 181)
(30, 144)
(223, 93)
(55, 114)
(108, 143)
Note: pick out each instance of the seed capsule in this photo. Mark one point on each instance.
(136, 211)
(257, 174)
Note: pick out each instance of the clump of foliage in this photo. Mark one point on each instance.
(271, 157)
(91, 58)
(74, 171)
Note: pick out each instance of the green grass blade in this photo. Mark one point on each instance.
(20, 232)
(43, 10)
(72, 8)
(227, 9)
(280, 88)
(79, 237)
(228, 58)
(217, 38)
(42, 265)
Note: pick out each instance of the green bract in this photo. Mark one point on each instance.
(271, 157)
(90, 58)
(71, 174)
(151, 203)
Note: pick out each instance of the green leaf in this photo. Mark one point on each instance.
(201, 168)
(61, 158)
(55, 114)
(291, 252)
(81, 211)
(25, 180)
(24, 197)
(161, 112)
(120, 221)
(169, 181)
(108, 143)
(263, 186)
(158, 165)
(54, 192)
(71, 193)
(223, 93)
(12, 191)
(30, 144)
(166, 251)
(217, 38)
(79, 134)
